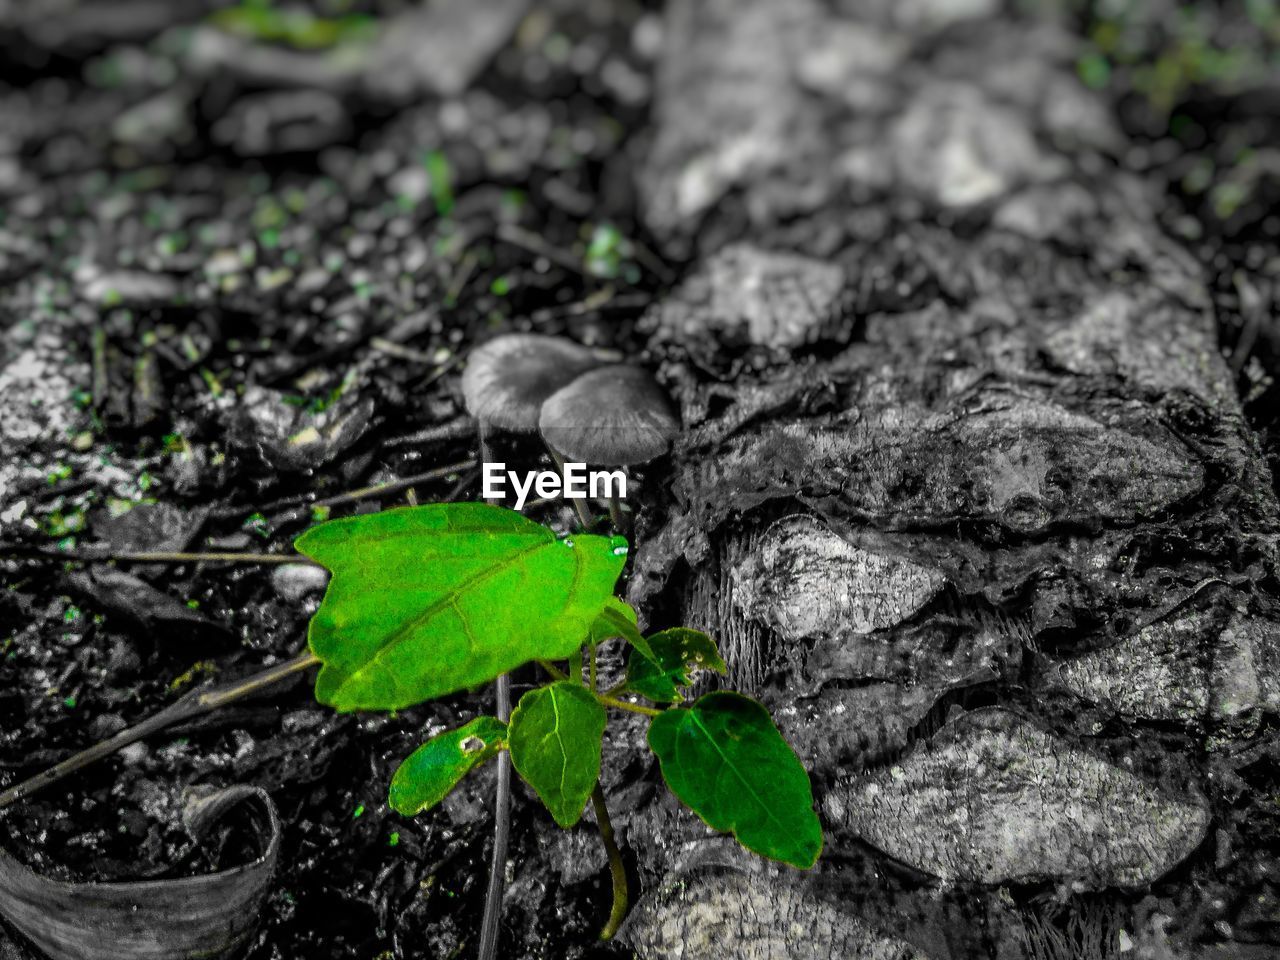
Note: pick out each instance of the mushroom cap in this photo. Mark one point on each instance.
(614, 415)
(507, 379)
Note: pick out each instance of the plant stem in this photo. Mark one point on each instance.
(501, 800)
(551, 668)
(617, 869)
(192, 705)
(592, 665)
(630, 707)
(616, 689)
(501, 833)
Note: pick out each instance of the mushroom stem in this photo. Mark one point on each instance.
(620, 521)
(584, 517)
(501, 797)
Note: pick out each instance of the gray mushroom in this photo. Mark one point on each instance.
(508, 378)
(612, 416)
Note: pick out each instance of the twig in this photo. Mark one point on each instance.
(520, 237)
(400, 351)
(605, 299)
(394, 485)
(454, 429)
(19, 551)
(192, 705)
(350, 496)
(459, 279)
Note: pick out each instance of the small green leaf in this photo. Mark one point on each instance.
(555, 745)
(428, 600)
(618, 619)
(430, 772)
(725, 760)
(605, 628)
(680, 653)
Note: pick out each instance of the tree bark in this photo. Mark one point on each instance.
(965, 494)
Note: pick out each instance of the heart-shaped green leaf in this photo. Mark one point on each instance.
(680, 653)
(428, 600)
(430, 772)
(554, 739)
(725, 760)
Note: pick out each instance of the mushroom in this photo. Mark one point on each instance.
(508, 378)
(613, 416)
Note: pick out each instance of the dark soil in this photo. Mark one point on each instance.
(271, 264)
(226, 297)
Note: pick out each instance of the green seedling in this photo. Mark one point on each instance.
(430, 600)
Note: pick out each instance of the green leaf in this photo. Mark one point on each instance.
(680, 652)
(618, 619)
(554, 739)
(428, 600)
(430, 772)
(606, 625)
(725, 760)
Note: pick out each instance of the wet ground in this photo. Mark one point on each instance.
(240, 257)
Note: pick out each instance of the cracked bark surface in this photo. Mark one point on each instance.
(965, 493)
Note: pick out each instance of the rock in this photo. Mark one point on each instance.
(1118, 334)
(297, 581)
(993, 799)
(160, 615)
(729, 916)
(1054, 211)
(291, 438)
(839, 729)
(440, 48)
(854, 63)
(36, 387)
(806, 582)
(159, 120)
(1203, 664)
(145, 526)
(750, 305)
(729, 114)
(1018, 462)
(936, 14)
(266, 124)
(135, 288)
(958, 148)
